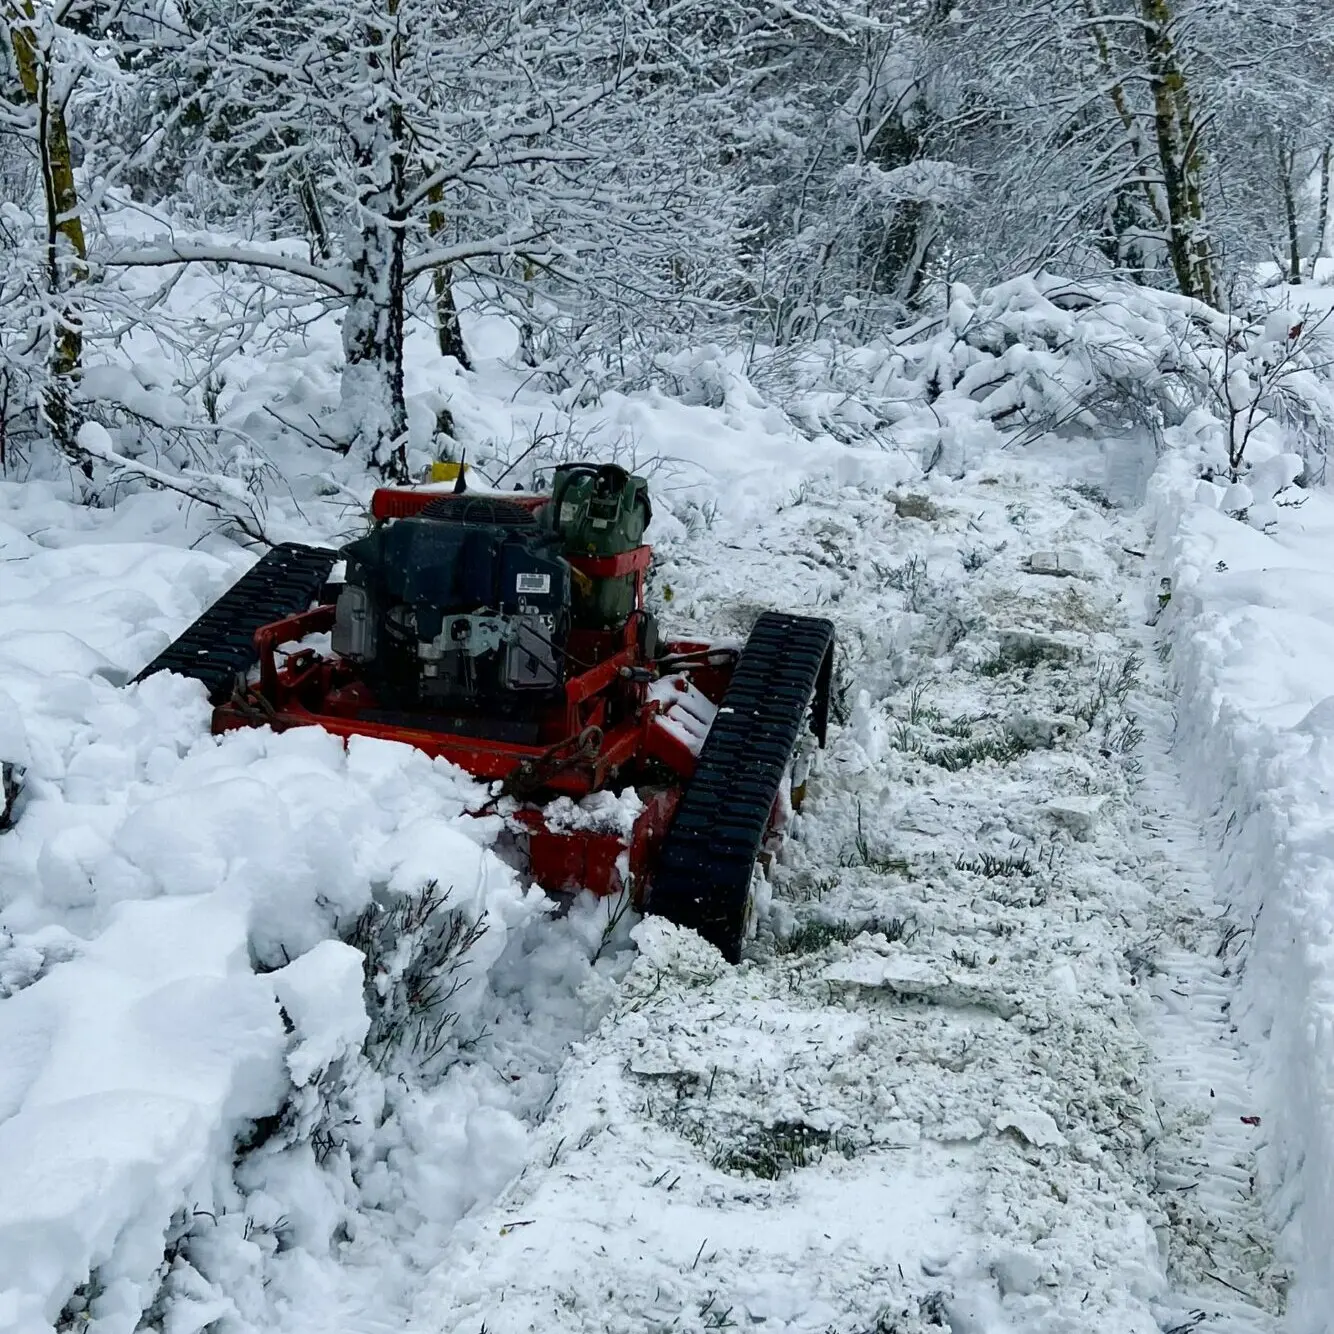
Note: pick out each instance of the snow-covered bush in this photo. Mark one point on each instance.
(1044, 355)
(416, 950)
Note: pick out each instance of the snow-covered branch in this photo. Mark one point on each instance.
(209, 252)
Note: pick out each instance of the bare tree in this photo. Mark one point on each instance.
(33, 113)
(428, 145)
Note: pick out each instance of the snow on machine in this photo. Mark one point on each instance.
(508, 634)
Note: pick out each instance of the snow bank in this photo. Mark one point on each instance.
(172, 976)
(1251, 620)
(129, 1070)
(142, 1046)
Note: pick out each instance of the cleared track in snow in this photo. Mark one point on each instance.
(963, 1078)
(1216, 1235)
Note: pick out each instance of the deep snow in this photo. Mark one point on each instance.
(979, 1069)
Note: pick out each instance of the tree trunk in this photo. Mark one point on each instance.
(66, 249)
(448, 331)
(1180, 156)
(1322, 213)
(310, 206)
(1287, 169)
(1134, 135)
(372, 381)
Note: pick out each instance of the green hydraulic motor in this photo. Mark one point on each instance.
(600, 510)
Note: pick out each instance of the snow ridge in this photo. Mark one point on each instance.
(1251, 628)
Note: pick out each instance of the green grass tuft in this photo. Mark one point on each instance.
(992, 865)
(818, 933)
(863, 854)
(965, 753)
(1022, 653)
(767, 1152)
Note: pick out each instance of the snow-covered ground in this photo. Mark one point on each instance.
(974, 1073)
(992, 1063)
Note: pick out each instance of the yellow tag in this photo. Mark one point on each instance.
(446, 470)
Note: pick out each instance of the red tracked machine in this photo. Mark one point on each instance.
(507, 633)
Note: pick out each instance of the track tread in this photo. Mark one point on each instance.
(703, 872)
(219, 646)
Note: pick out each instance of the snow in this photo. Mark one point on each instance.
(320, 992)
(1252, 625)
(599, 812)
(686, 712)
(136, 1061)
(971, 1054)
(994, 1057)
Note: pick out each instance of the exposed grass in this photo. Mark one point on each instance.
(845, 678)
(1111, 687)
(949, 631)
(964, 754)
(1093, 493)
(909, 579)
(1124, 737)
(616, 914)
(921, 714)
(950, 743)
(961, 728)
(827, 539)
(715, 1316)
(799, 496)
(914, 507)
(1072, 610)
(751, 1148)
(768, 1151)
(1023, 652)
(818, 933)
(906, 735)
(863, 854)
(993, 865)
(903, 577)
(808, 888)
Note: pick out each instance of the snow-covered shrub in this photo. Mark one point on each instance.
(372, 1026)
(1042, 355)
(416, 951)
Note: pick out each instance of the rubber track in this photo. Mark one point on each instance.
(703, 873)
(219, 647)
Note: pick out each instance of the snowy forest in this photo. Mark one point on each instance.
(623, 181)
(997, 336)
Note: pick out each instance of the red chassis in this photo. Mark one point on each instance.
(609, 730)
